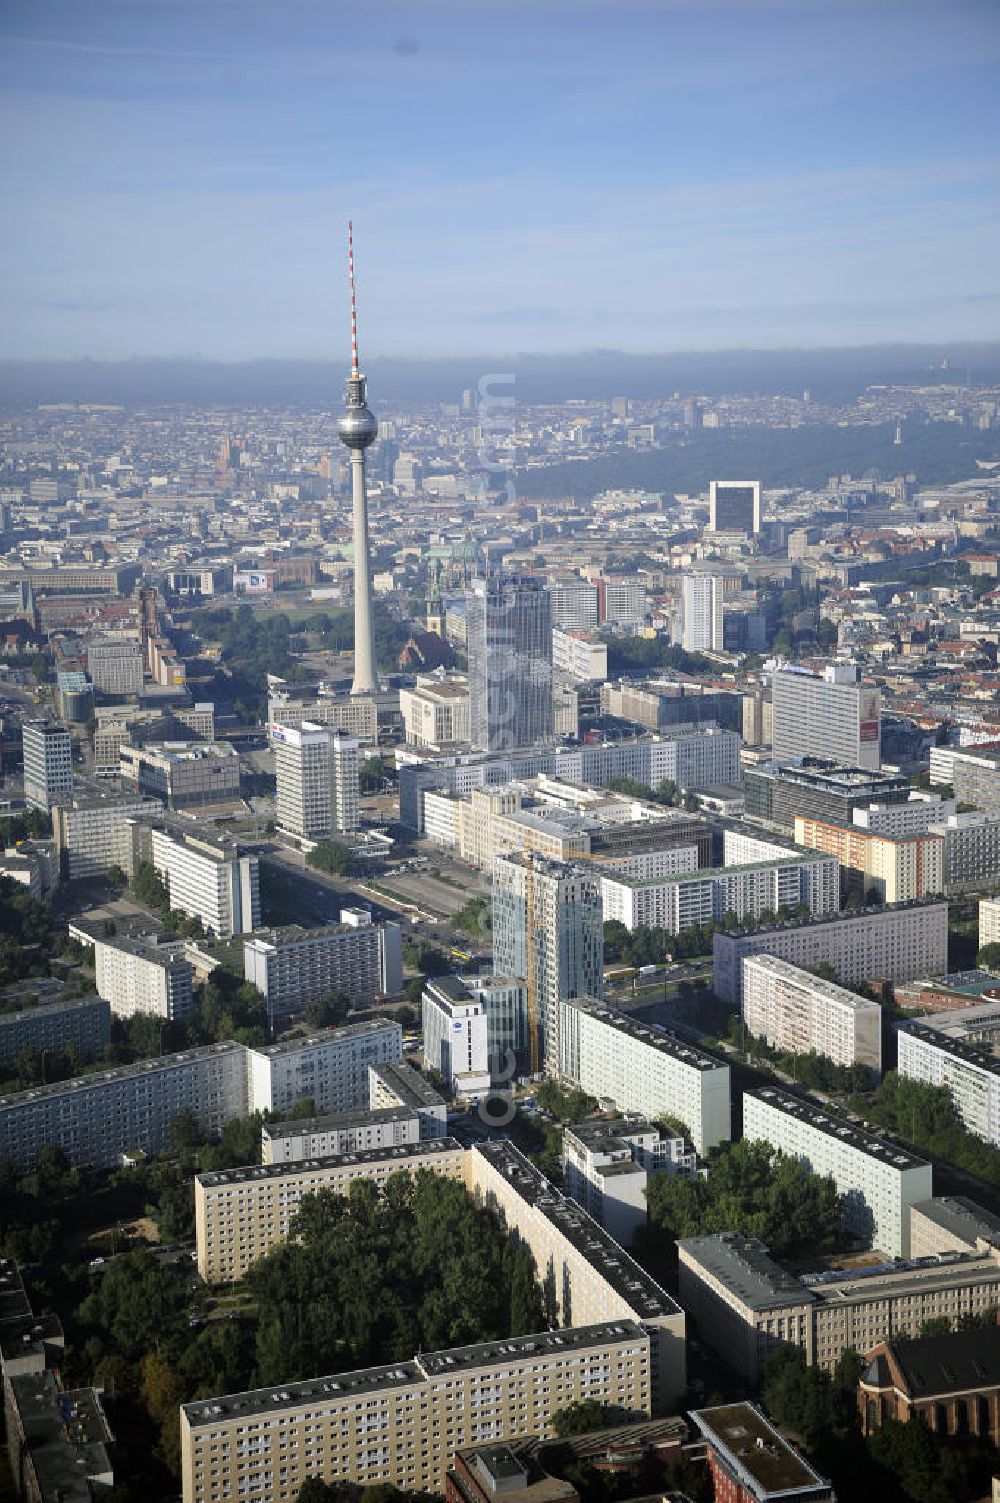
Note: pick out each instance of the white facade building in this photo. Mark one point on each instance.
(304, 775)
(646, 1070)
(701, 612)
(879, 1180)
(579, 655)
(346, 783)
(800, 1013)
(833, 716)
(575, 603)
(675, 904)
(893, 944)
(606, 1167)
(48, 762)
(916, 816)
(989, 921)
(970, 1070)
(292, 966)
(208, 878)
(455, 1036)
(94, 833)
(144, 976)
(436, 710)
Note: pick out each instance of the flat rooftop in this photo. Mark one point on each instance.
(642, 1293)
(980, 1056)
(50, 1009)
(761, 1458)
(329, 1036)
(289, 935)
(645, 1033)
(412, 1088)
(410, 1373)
(745, 1267)
(101, 1078)
(795, 976)
(797, 857)
(400, 1153)
(300, 1127)
(845, 916)
(835, 1127)
(962, 1217)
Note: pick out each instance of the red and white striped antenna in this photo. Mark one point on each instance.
(354, 306)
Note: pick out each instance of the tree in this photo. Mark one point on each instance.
(583, 1415)
(333, 856)
(147, 886)
(328, 1012)
(989, 957)
(186, 1130)
(756, 1189)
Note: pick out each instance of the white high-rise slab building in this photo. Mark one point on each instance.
(208, 877)
(48, 762)
(317, 773)
(800, 1013)
(701, 612)
(879, 1180)
(833, 716)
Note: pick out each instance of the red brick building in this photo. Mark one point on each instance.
(752, 1463)
(951, 1382)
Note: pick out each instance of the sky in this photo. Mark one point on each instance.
(532, 175)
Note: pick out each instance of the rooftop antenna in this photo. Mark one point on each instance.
(354, 306)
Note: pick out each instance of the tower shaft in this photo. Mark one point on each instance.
(365, 681)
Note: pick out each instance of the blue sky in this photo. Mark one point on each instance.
(547, 176)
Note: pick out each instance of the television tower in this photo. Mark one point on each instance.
(358, 429)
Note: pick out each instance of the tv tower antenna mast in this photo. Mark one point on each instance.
(357, 430)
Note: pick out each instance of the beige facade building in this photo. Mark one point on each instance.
(746, 1303)
(240, 1214)
(403, 1423)
(989, 921)
(436, 711)
(884, 868)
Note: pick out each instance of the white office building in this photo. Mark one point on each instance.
(879, 1180)
(144, 975)
(645, 1069)
(799, 1013)
(455, 1036)
(701, 612)
(209, 878)
(48, 762)
(917, 816)
(875, 944)
(833, 716)
(293, 966)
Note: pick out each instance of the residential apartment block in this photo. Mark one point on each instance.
(943, 1050)
(150, 974)
(96, 1118)
(240, 1214)
(92, 831)
(702, 897)
(971, 850)
(989, 921)
(394, 1083)
(797, 1012)
(644, 1069)
(893, 944)
(48, 762)
(606, 1167)
(79, 1023)
(883, 868)
(402, 1423)
(879, 1180)
(292, 966)
(208, 876)
(579, 655)
(346, 1132)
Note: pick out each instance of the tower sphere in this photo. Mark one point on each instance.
(357, 427)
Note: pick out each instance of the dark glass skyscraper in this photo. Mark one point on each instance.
(510, 663)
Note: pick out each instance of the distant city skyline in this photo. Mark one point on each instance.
(696, 174)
